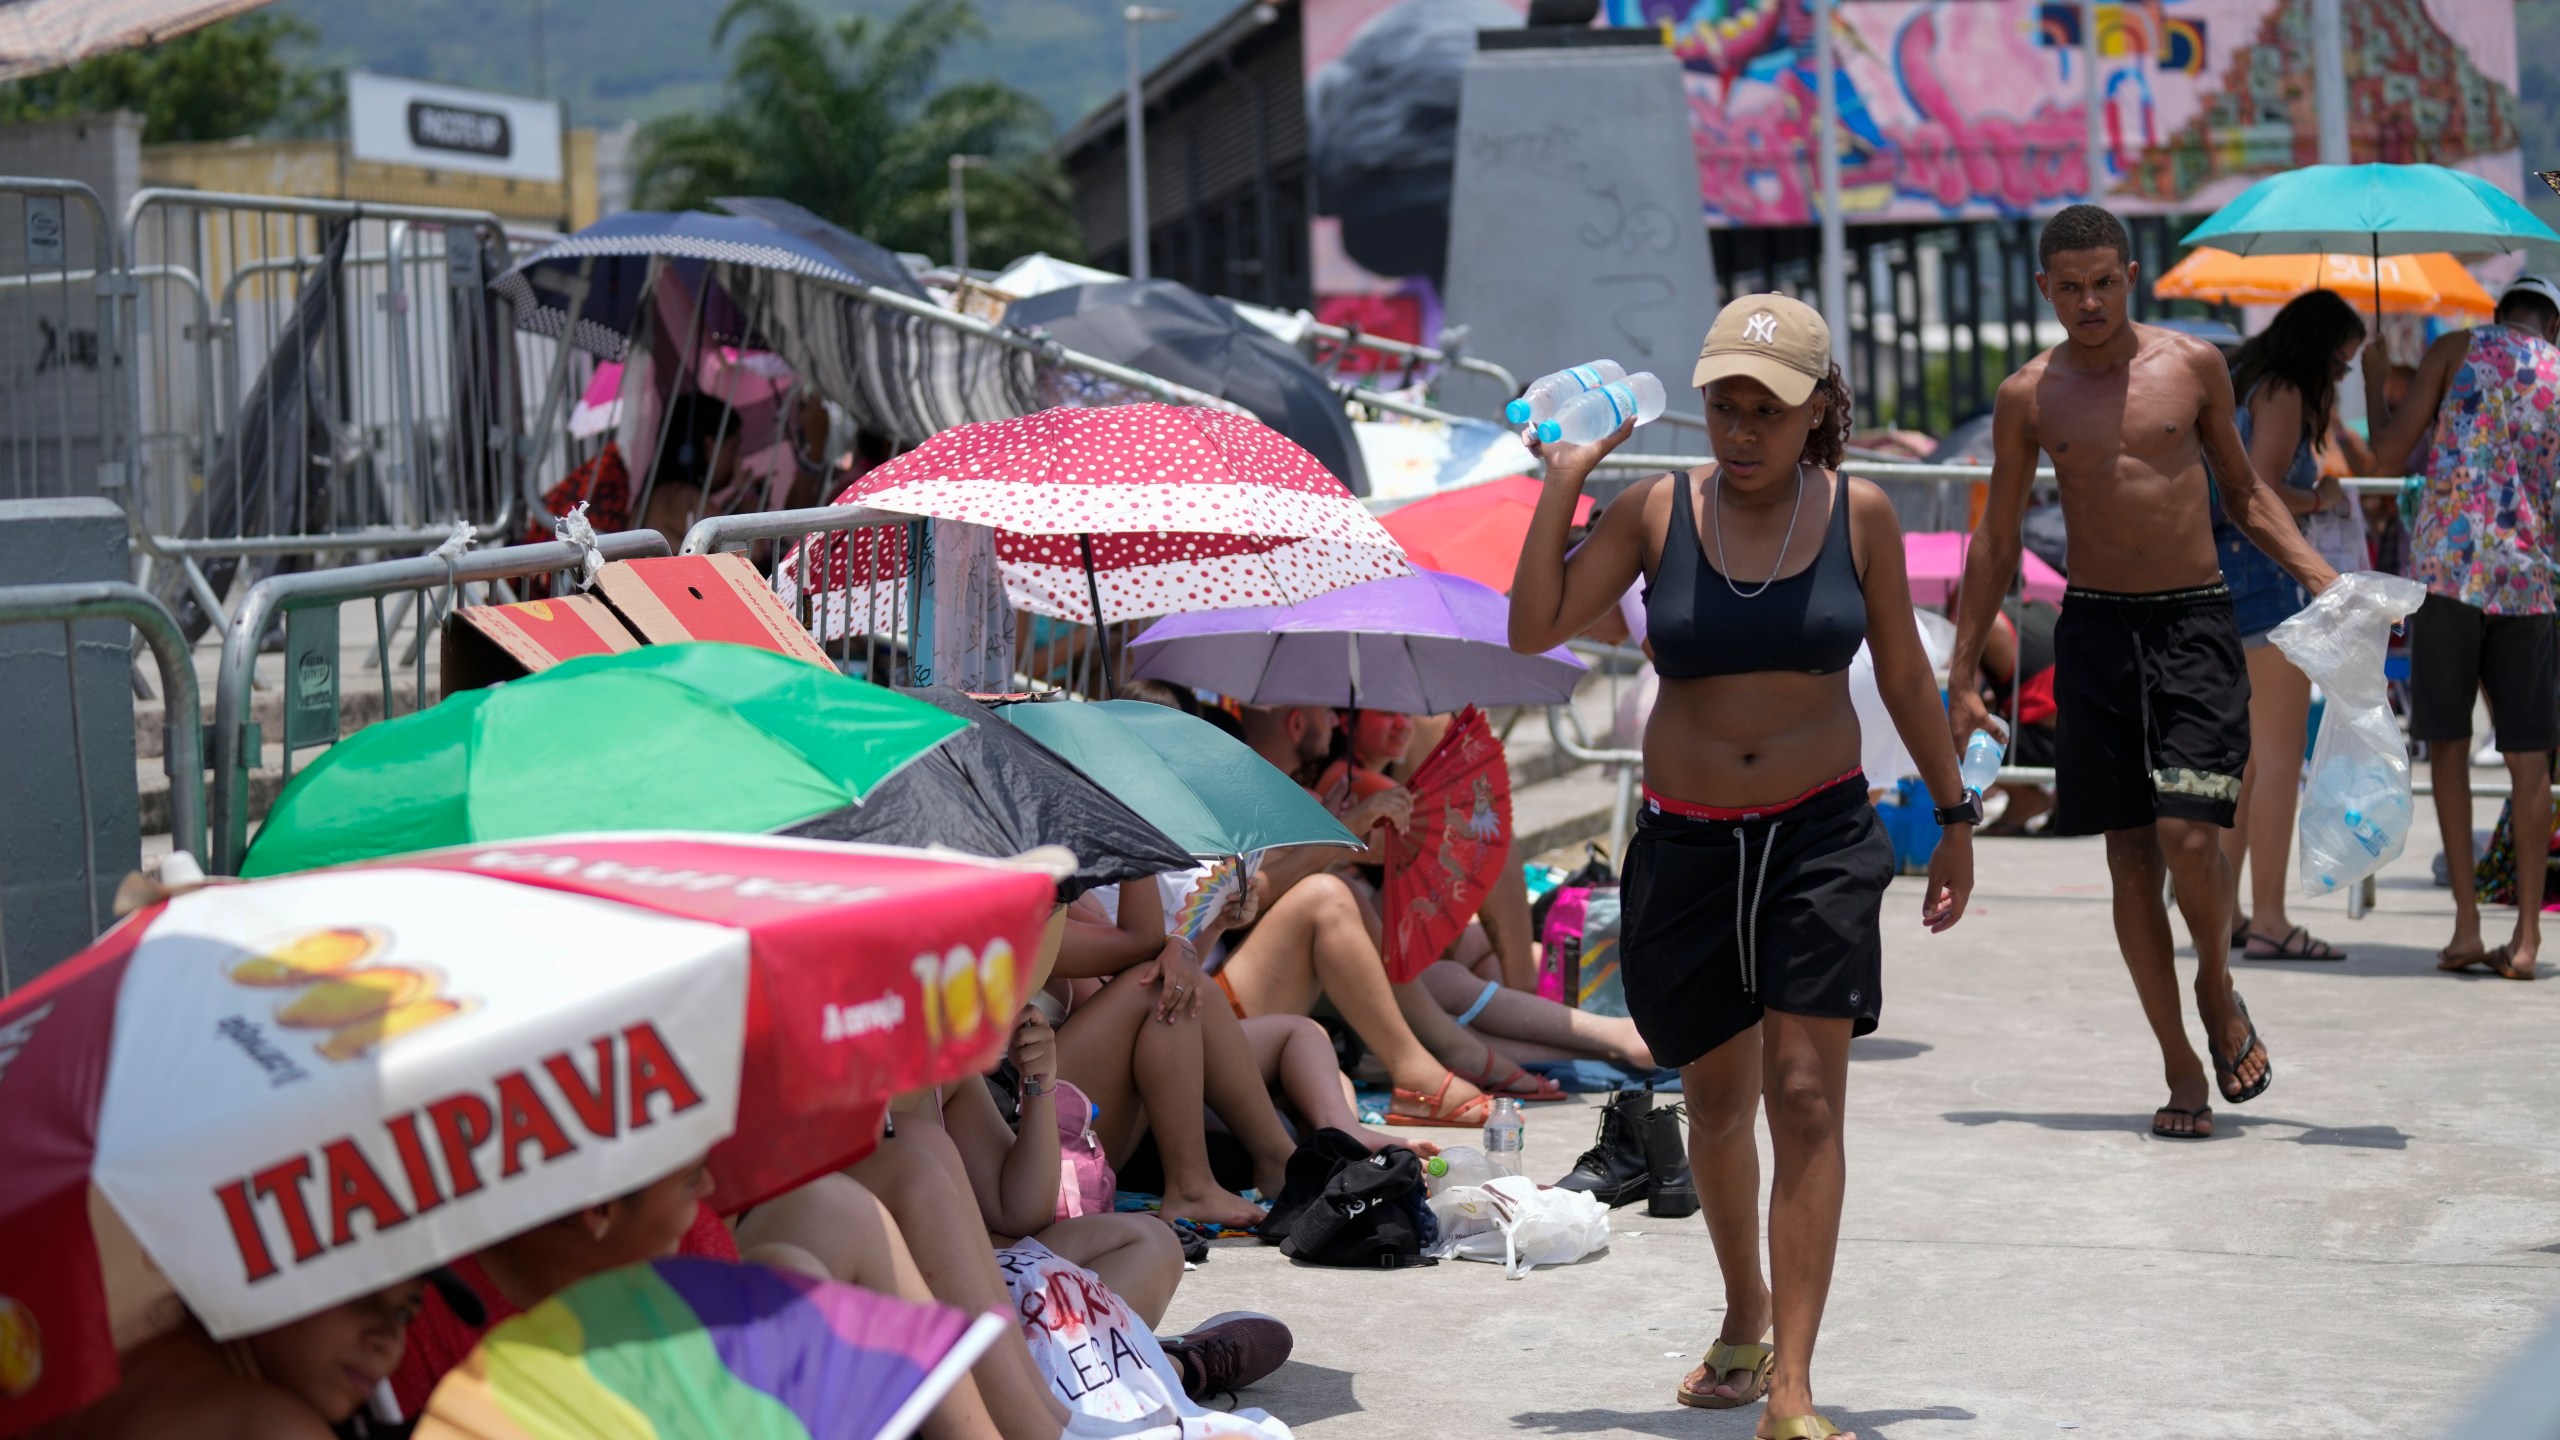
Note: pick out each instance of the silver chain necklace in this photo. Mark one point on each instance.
(1716, 513)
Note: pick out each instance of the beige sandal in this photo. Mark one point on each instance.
(1698, 1390)
(1804, 1427)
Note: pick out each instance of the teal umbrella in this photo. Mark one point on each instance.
(2379, 209)
(1189, 778)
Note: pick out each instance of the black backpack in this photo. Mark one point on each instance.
(1344, 1206)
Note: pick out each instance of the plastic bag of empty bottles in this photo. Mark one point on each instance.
(2358, 806)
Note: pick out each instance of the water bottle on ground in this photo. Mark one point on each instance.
(1981, 767)
(1547, 394)
(1455, 1165)
(1597, 414)
(1506, 1135)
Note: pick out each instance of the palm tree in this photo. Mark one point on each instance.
(845, 119)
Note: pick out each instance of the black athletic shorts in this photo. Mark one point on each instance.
(1722, 919)
(2457, 650)
(2153, 695)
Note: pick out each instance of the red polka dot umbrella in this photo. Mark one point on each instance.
(1137, 510)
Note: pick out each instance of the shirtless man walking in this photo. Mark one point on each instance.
(2149, 677)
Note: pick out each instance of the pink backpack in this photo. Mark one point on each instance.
(1086, 1185)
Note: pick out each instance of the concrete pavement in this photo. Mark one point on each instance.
(2358, 1253)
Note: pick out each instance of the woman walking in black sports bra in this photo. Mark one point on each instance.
(1755, 881)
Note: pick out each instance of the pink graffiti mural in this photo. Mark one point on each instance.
(1979, 107)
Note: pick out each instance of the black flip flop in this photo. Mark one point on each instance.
(2223, 1068)
(2298, 944)
(2201, 1112)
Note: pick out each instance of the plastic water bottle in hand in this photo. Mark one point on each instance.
(1981, 767)
(1505, 1137)
(1597, 414)
(1547, 394)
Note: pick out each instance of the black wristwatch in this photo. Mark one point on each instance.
(1967, 811)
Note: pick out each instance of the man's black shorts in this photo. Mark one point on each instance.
(2457, 650)
(1722, 919)
(2154, 699)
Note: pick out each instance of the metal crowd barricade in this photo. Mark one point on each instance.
(310, 377)
(181, 752)
(62, 413)
(308, 603)
(828, 546)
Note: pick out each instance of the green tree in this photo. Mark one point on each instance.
(238, 77)
(845, 119)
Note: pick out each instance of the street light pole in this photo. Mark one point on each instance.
(2329, 80)
(1134, 120)
(1835, 230)
(2094, 88)
(960, 210)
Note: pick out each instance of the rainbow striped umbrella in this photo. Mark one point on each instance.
(680, 1348)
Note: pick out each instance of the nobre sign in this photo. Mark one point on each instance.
(444, 127)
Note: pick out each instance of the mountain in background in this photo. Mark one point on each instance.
(617, 60)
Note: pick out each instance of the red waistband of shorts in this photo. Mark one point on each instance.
(1663, 804)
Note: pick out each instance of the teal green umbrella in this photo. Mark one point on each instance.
(702, 736)
(2373, 209)
(1189, 778)
(2377, 209)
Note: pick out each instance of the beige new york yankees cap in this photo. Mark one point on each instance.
(1777, 340)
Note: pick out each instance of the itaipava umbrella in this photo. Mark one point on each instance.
(1192, 780)
(993, 790)
(701, 736)
(2377, 210)
(290, 1092)
(1477, 532)
(704, 1347)
(2403, 284)
(1423, 644)
(1121, 513)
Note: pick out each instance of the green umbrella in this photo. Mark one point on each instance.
(1189, 778)
(2379, 209)
(691, 737)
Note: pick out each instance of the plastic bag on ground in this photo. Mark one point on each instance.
(2358, 806)
(1515, 1223)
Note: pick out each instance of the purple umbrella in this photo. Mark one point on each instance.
(1420, 644)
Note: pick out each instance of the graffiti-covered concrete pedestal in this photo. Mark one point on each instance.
(1575, 227)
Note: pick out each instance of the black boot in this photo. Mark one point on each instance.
(1666, 1153)
(1613, 1170)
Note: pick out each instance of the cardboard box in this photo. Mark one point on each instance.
(485, 644)
(704, 597)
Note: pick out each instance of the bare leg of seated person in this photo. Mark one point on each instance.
(1138, 1256)
(1312, 942)
(1294, 1053)
(1512, 1015)
(833, 1229)
(1241, 1094)
(928, 1193)
(1148, 1075)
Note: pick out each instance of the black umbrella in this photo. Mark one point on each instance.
(992, 790)
(1175, 333)
(877, 264)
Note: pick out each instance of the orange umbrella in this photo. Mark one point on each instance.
(2407, 284)
(1476, 532)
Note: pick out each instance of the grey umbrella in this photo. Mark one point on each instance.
(1176, 333)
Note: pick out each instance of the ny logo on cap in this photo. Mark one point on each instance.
(1761, 329)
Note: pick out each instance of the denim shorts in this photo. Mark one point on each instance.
(2263, 596)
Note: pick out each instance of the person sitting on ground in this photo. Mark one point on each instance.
(1137, 1041)
(2019, 653)
(1482, 1027)
(294, 1382)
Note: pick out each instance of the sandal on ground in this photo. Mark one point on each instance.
(1698, 1389)
(1519, 1085)
(2502, 964)
(2453, 964)
(2226, 1077)
(2202, 1114)
(2298, 944)
(2240, 931)
(1472, 1114)
(1803, 1427)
